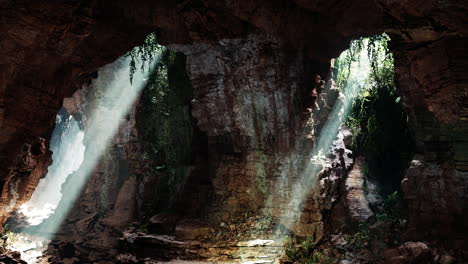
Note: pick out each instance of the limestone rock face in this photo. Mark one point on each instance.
(410, 252)
(247, 99)
(437, 71)
(108, 201)
(435, 100)
(23, 175)
(248, 90)
(252, 65)
(251, 100)
(436, 196)
(355, 194)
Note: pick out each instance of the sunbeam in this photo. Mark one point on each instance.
(358, 75)
(113, 96)
(68, 152)
(77, 152)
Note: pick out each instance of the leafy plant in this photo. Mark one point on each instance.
(145, 52)
(6, 237)
(308, 245)
(164, 119)
(343, 63)
(380, 226)
(164, 124)
(306, 253)
(293, 253)
(377, 120)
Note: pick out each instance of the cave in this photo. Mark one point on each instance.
(262, 131)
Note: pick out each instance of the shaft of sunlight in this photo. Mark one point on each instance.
(68, 152)
(114, 95)
(358, 75)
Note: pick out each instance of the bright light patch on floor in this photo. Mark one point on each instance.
(256, 243)
(30, 247)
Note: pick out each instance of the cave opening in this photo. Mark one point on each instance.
(86, 128)
(68, 150)
(366, 123)
(377, 120)
(67, 147)
(247, 143)
(356, 109)
(333, 98)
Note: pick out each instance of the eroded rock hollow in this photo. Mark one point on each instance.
(209, 165)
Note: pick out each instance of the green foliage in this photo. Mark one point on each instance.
(308, 245)
(381, 226)
(164, 119)
(318, 257)
(164, 125)
(293, 253)
(381, 60)
(343, 63)
(143, 228)
(377, 119)
(145, 52)
(307, 253)
(6, 237)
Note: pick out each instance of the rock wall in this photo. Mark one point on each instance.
(47, 54)
(108, 201)
(256, 153)
(252, 99)
(49, 50)
(431, 70)
(247, 99)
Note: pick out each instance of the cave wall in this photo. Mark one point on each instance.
(431, 72)
(265, 142)
(252, 100)
(50, 47)
(108, 201)
(47, 54)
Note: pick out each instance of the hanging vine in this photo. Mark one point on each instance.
(343, 63)
(377, 118)
(145, 52)
(381, 60)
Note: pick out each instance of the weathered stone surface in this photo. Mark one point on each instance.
(108, 201)
(248, 103)
(11, 257)
(410, 252)
(46, 53)
(270, 53)
(248, 90)
(23, 175)
(432, 76)
(249, 100)
(436, 197)
(355, 197)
